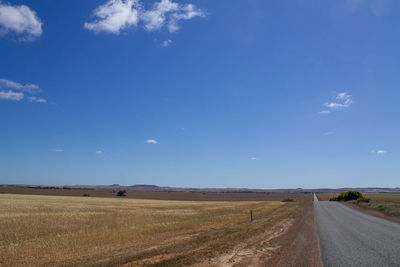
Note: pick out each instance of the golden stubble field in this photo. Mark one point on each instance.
(59, 230)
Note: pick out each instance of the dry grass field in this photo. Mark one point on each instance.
(388, 204)
(325, 196)
(64, 231)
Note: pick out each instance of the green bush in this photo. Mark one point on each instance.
(347, 196)
(381, 207)
(363, 199)
(121, 193)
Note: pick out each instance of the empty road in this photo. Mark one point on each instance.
(350, 238)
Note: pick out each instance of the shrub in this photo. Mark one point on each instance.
(363, 199)
(347, 196)
(86, 195)
(381, 207)
(121, 193)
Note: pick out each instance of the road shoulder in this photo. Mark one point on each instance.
(299, 245)
(371, 212)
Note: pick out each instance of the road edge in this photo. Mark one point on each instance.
(316, 230)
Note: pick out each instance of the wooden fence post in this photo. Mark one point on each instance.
(251, 215)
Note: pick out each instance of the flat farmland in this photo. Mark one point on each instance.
(157, 195)
(62, 230)
(386, 204)
(326, 196)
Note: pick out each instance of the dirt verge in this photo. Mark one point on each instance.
(291, 242)
(299, 245)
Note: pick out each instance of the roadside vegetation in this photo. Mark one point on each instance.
(71, 231)
(349, 196)
(121, 193)
(387, 204)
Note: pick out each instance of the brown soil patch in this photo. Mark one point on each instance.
(291, 242)
(299, 246)
(254, 251)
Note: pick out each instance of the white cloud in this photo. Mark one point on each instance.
(20, 20)
(28, 88)
(254, 158)
(379, 151)
(10, 95)
(99, 152)
(152, 141)
(376, 8)
(186, 12)
(324, 112)
(118, 15)
(166, 43)
(58, 150)
(34, 99)
(342, 100)
(114, 16)
(155, 18)
(12, 87)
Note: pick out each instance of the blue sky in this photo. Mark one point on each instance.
(261, 94)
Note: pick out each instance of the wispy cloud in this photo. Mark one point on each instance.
(379, 151)
(151, 141)
(99, 152)
(10, 95)
(324, 112)
(342, 100)
(118, 15)
(166, 43)
(254, 158)
(20, 20)
(27, 88)
(376, 8)
(169, 13)
(58, 150)
(34, 99)
(16, 91)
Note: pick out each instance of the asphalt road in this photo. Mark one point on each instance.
(348, 237)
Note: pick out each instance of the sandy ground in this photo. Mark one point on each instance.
(254, 251)
(291, 242)
(299, 245)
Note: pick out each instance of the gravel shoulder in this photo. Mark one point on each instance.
(291, 242)
(299, 246)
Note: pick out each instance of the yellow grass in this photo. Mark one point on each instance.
(52, 230)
